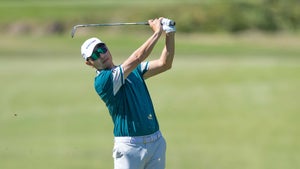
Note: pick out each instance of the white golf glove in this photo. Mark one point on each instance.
(167, 25)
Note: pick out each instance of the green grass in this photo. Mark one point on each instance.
(229, 102)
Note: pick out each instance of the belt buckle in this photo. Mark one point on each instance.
(132, 140)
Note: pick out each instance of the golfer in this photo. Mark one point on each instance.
(138, 142)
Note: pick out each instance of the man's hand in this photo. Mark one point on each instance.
(155, 24)
(167, 27)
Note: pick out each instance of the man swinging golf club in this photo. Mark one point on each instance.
(138, 142)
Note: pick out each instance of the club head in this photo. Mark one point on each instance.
(73, 31)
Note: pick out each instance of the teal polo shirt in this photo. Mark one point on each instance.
(128, 101)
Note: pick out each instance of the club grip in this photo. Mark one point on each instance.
(172, 23)
(168, 22)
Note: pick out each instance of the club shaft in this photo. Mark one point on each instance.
(106, 24)
(112, 24)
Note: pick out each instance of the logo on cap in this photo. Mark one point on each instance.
(90, 44)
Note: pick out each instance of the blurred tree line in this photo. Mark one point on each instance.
(201, 16)
(236, 16)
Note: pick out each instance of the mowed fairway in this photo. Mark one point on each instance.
(228, 103)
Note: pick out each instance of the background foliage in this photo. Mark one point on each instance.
(191, 16)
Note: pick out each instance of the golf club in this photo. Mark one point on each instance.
(171, 23)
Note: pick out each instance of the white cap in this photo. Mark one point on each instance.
(88, 46)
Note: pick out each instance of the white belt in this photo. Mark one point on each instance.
(139, 139)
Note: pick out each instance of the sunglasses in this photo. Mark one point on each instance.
(97, 51)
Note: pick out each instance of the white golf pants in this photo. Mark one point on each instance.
(142, 152)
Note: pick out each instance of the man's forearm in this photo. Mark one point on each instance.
(169, 50)
(144, 51)
(140, 54)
